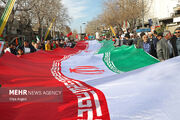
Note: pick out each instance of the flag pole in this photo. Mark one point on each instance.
(6, 14)
(49, 29)
(113, 31)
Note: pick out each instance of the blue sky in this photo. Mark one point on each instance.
(82, 11)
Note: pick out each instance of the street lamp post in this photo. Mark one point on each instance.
(80, 29)
(84, 26)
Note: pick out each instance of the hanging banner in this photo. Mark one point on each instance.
(77, 36)
(6, 14)
(125, 24)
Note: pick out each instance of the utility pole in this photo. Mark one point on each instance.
(143, 13)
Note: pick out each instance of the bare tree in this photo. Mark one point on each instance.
(117, 11)
(39, 13)
(93, 26)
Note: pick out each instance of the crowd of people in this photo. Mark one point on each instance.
(160, 45)
(163, 45)
(31, 47)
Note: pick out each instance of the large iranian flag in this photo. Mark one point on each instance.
(99, 81)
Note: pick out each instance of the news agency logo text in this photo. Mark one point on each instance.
(17, 92)
(31, 94)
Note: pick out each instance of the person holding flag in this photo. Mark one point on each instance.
(48, 46)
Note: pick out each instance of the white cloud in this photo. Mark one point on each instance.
(75, 8)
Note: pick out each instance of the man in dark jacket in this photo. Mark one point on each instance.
(28, 48)
(153, 41)
(140, 41)
(175, 41)
(127, 40)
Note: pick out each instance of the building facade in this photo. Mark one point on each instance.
(161, 9)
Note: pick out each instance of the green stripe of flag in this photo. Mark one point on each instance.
(125, 58)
